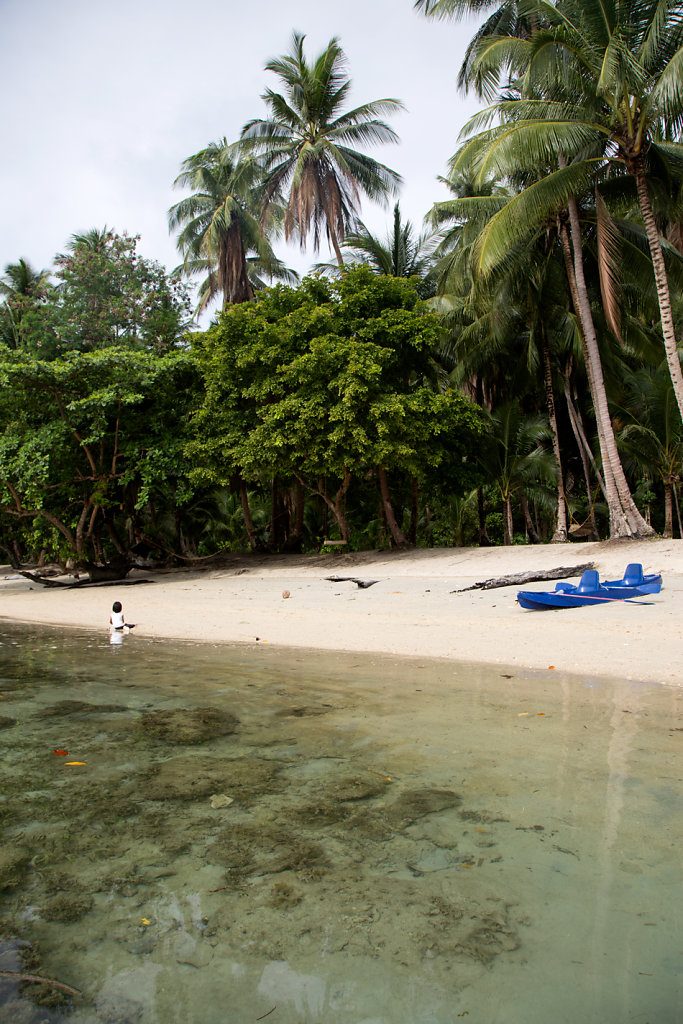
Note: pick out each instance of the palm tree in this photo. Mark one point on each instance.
(219, 225)
(308, 146)
(401, 253)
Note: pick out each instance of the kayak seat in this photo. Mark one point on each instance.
(563, 588)
(633, 577)
(589, 581)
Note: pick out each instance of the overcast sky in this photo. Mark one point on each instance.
(103, 99)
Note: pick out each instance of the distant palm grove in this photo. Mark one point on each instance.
(509, 373)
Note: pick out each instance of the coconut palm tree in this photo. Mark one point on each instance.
(401, 253)
(603, 84)
(308, 146)
(219, 231)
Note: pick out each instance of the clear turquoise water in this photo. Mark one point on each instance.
(367, 840)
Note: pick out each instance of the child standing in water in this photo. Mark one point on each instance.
(116, 619)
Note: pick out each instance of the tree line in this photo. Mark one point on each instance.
(512, 373)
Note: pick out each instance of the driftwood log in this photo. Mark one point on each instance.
(518, 579)
(85, 581)
(363, 584)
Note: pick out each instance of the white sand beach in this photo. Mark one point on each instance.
(410, 611)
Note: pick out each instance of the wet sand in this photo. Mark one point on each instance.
(410, 610)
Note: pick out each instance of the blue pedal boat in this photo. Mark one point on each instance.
(590, 591)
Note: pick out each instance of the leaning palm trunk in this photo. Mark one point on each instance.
(662, 282)
(624, 517)
(587, 459)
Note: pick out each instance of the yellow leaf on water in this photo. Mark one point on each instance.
(75, 762)
(145, 921)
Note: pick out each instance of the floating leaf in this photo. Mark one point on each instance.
(75, 762)
(61, 753)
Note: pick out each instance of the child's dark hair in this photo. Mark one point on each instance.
(116, 607)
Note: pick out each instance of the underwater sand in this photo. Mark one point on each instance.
(308, 838)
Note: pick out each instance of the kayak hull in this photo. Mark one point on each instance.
(538, 601)
(590, 591)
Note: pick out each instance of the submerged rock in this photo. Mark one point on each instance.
(67, 906)
(196, 778)
(78, 708)
(14, 862)
(187, 726)
(418, 803)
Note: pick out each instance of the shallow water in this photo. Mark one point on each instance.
(333, 839)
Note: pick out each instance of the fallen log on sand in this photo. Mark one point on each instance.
(520, 578)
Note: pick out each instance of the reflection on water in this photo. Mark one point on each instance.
(211, 835)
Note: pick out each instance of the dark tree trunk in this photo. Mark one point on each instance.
(530, 527)
(397, 536)
(484, 539)
(414, 511)
(254, 543)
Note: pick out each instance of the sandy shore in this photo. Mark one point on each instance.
(411, 609)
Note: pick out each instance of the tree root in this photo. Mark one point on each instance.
(17, 976)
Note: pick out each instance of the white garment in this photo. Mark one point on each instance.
(117, 620)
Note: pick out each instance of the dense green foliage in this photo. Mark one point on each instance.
(328, 384)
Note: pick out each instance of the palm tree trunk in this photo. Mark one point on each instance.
(560, 533)
(587, 459)
(668, 530)
(396, 532)
(662, 282)
(625, 519)
(508, 526)
(232, 263)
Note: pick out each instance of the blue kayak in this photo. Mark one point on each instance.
(590, 591)
(633, 577)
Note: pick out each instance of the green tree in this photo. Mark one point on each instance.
(327, 384)
(309, 146)
(107, 295)
(86, 441)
